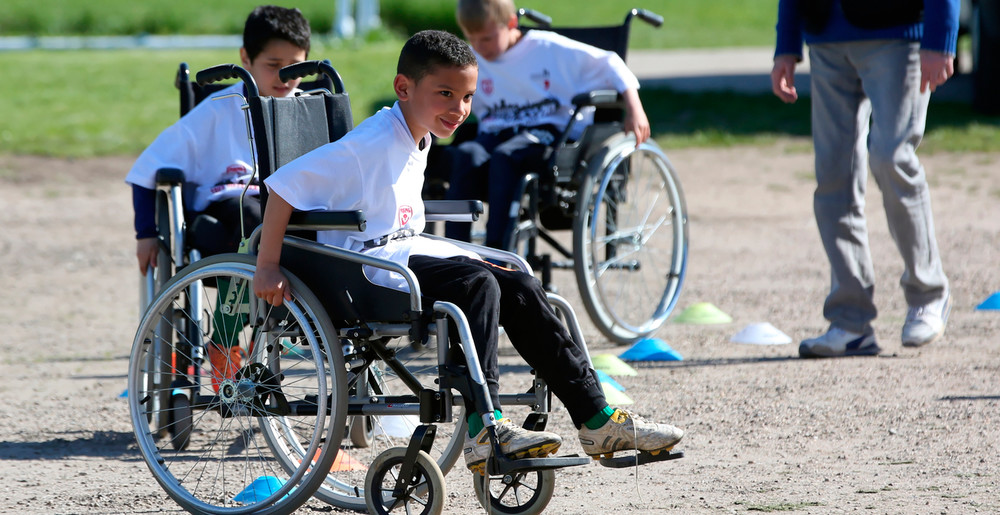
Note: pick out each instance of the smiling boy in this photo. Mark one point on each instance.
(378, 168)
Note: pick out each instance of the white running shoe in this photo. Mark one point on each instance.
(926, 323)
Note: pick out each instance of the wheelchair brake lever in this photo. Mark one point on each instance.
(347, 303)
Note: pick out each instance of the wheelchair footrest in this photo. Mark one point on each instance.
(506, 466)
(640, 458)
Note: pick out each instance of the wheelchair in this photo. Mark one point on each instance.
(624, 206)
(351, 392)
(184, 235)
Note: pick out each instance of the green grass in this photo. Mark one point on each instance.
(705, 23)
(90, 103)
(87, 103)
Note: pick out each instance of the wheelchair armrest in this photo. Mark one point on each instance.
(598, 98)
(169, 176)
(328, 220)
(453, 210)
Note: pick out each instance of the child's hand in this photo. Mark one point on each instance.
(145, 251)
(271, 285)
(635, 117)
(638, 124)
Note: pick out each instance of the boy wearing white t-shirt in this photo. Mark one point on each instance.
(211, 146)
(378, 168)
(527, 81)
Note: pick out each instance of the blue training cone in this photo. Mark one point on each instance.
(991, 303)
(260, 489)
(650, 349)
(606, 379)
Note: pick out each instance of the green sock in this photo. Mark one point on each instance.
(600, 418)
(476, 422)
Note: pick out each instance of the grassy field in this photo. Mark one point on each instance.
(705, 23)
(89, 103)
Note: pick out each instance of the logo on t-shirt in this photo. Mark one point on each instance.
(543, 77)
(487, 86)
(405, 212)
(236, 169)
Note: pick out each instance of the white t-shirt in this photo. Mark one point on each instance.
(377, 168)
(210, 144)
(534, 81)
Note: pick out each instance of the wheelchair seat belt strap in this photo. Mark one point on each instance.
(382, 241)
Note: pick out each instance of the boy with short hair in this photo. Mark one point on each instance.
(211, 146)
(527, 81)
(378, 168)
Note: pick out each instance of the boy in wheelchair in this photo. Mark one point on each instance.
(209, 144)
(378, 168)
(526, 84)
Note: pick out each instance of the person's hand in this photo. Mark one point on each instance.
(271, 285)
(636, 121)
(935, 69)
(783, 78)
(145, 252)
(638, 124)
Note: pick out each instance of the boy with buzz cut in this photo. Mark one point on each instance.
(211, 146)
(527, 81)
(378, 168)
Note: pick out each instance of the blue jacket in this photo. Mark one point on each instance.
(939, 30)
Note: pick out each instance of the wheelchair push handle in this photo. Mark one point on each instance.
(306, 68)
(645, 15)
(222, 72)
(542, 20)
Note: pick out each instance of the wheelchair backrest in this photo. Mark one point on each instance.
(192, 93)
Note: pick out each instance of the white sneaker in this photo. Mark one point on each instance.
(837, 342)
(626, 431)
(516, 442)
(926, 323)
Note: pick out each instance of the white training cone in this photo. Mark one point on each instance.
(761, 333)
(398, 426)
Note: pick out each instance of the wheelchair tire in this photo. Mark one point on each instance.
(630, 239)
(159, 372)
(423, 496)
(346, 484)
(260, 444)
(180, 421)
(518, 493)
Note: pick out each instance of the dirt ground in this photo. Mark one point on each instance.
(912, 431)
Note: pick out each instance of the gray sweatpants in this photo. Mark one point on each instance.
(853, 84)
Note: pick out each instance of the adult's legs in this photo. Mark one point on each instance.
(840, 114)
(890, 76)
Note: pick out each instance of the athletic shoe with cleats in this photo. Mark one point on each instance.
(837, 342)
(224, 363)
(626, 431)
(515, 441)
(926, 323)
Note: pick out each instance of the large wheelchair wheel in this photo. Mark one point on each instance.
(630, 239)
(374, 391)
(259, 444)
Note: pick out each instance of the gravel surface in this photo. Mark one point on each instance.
(912, 431)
